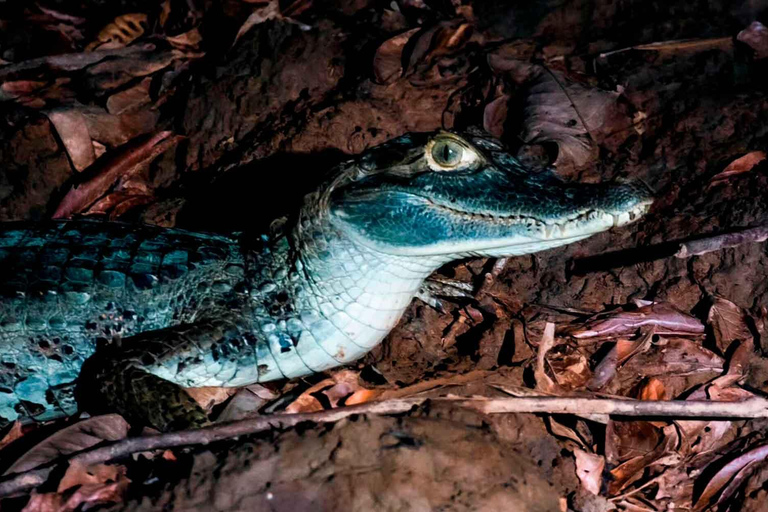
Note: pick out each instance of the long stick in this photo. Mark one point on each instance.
(752, 408)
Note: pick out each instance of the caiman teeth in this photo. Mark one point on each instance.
(561, 228)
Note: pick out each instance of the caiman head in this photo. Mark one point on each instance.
(449, 196)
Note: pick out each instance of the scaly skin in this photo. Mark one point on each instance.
(169, 309)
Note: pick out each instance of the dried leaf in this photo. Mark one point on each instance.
(675, 356)
(122, 162)
(211, 396)
(589, 469)
(120, 33)
(756, 37)
(342, 384)
(72, 129)
(571, 371)
(620, 322)
(188, 41)
(74, 438)
(729, 323)
(738, 468)
(562, 111)
(633, 469)
(495, 114)
(271, 11)
(388, 60)
(84, 497)
(740, 165)
(543, 382)
(80, 474)
(13, 434)
(130, 99)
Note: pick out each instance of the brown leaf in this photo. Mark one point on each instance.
(13, 434)
(73, 131)
(130, 99)
(559, 110)
(633, 469)
(120, 33)
(543, 382)
(342, 384)
(621, 322)
(271, 11)
(79, 474)
(589, 469)
(388, 60)
(571, 371)
(740, 165)
(729, 323)
(117, 164)
(675, 356)
(211, 396)
(756, 37)
(495, 114)
(74, 438)
(188, 41)
(737, 468)
(83, 498)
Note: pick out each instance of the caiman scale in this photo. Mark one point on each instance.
(125, 316)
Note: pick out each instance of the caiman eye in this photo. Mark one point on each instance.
(446, 153)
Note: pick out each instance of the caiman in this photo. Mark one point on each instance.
(123, 317)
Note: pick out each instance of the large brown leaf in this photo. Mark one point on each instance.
(75, 438)
(729, 323)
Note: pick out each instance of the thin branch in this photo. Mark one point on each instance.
(723, 241)
(752, 408)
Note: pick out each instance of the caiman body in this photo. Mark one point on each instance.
(130, 314)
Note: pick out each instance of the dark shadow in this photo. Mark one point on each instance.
(249, 198)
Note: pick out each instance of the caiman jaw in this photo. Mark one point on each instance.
(580, 224)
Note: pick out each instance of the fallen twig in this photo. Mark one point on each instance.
(718, 242)
(752, 408)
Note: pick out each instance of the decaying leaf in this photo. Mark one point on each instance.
(740, 165)
(559, 110)
(756, 36)
(13, 434)
(730, 476)
(72, 129)
(388, 60)
(130, 99)
(665, 318)
(75, 438)
(543, 381)
(677, 357)
(107, 170)
(120, 33)
(729, 323)
(495, 114)
(343, 384)
(80, 474)
(418, 49)
(663, 454)
(209, 397)
(589, 469)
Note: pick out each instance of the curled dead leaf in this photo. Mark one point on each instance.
(730, 476)
(728, 322)
(756, 37)
(543, 381)
(73, 131)
(115, 165)
(388, 60)
(71, 439)
(209, 397)
(665, 318)
(589, 469)
(120, 33)
(740, 165)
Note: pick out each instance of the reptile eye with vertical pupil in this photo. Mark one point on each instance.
(447, 153)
